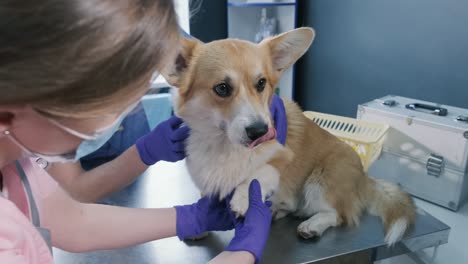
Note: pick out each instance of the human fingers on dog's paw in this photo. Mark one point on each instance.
(212, 204)
(228, 198)
(215, 202)
(255, 191)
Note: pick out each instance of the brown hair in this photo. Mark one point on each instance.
(80, 58)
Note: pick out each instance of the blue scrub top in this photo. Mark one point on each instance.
(133, 127)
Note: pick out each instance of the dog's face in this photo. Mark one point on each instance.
(226, 86)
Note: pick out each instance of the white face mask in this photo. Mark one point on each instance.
(89, 144)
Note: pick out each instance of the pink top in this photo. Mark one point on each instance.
(20, 242)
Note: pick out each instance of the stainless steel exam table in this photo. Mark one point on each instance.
(165, 185)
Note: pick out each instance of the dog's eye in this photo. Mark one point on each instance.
(223, 90)
(261, 85)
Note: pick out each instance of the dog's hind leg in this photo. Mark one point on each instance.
(317, 224)
(314, 203)
(284, 201)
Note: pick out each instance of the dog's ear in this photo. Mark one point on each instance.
(287, 48)
(173, 72)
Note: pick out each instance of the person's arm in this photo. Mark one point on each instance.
(93, 185)
(79, 227)
(165, 142)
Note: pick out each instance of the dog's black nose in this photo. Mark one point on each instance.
(256, 130)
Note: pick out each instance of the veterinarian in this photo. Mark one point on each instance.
(69, 72)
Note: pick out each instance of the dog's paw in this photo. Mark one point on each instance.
(278, 214)
(306, 231)
(240, 201)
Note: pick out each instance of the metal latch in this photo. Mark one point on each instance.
(435, 165)
(462, 118)
(389, 103)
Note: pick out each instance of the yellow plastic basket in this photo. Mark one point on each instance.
(364, 137)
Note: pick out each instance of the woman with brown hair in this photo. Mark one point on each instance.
(69, 72)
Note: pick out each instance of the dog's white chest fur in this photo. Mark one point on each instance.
(217, 166)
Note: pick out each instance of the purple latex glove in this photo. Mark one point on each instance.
(208, 214)
(165, 142)
(252, 231)
(278, 112)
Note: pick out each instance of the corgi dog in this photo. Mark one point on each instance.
(224, 91)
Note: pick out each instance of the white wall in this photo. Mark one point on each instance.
(182, 9)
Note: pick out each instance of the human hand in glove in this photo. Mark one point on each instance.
(165, 142)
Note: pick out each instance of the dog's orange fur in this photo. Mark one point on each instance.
(312, 156)
(322, 158)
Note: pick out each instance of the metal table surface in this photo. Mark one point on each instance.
(166, 184)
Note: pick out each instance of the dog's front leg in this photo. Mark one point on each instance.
(267, 175)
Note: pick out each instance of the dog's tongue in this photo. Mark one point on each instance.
(271, 134)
